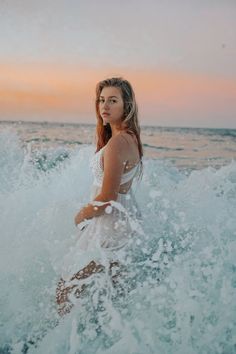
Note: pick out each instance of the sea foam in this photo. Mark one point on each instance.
(178, 294)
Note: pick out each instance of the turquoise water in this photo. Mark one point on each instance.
(179, 289)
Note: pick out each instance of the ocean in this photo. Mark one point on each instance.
(179, 296)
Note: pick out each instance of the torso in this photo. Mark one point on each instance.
(131, 160)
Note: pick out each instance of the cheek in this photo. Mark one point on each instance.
(120, 109)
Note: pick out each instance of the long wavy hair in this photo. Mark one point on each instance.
(130, 118)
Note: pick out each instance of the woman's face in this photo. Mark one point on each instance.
(111, 105)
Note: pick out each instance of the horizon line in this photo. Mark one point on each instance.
(94, 124)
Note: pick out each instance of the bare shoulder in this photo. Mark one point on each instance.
(118, 142)
(117, 146)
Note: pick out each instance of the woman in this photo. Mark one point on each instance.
(106, 222)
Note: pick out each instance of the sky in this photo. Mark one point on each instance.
(179, 56)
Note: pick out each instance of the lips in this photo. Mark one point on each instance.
(105, 114)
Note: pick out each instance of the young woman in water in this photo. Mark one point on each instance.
(104, 223)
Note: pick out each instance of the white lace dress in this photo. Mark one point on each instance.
(104, 236)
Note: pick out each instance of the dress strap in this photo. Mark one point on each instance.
(128, 176)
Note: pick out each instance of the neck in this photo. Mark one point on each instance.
(115, 129)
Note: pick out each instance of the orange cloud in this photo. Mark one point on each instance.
(70, 90)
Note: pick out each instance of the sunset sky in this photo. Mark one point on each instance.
(178, 55)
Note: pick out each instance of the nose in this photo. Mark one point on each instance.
(106, 104)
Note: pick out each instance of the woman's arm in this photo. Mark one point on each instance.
(114, 162)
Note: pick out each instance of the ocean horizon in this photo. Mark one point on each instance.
(185, 147)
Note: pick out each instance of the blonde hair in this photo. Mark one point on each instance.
(130, 118)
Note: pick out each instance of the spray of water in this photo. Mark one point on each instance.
(176, 290)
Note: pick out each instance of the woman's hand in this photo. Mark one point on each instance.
(90, 210)
(79, 217)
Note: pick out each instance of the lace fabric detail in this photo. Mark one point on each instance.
(97, 170)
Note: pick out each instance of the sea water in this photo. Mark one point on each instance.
(179, 291)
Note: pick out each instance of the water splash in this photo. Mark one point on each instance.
(178, 286)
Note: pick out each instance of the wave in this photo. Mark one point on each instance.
(179, 293)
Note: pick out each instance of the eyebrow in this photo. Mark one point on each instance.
(109, 96)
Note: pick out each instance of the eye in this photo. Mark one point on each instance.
(111, 101)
